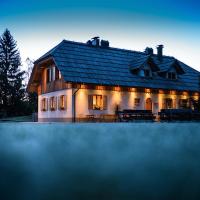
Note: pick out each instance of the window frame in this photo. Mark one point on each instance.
(136, 102)
(63, 102)
(171, 75)
(98, 101)
(44, 105)
(52, 103)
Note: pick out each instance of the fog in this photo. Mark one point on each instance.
(56, 161)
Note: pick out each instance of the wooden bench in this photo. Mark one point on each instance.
(177, 114)
(131, 115)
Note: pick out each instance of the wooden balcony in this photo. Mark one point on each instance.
(54, 86)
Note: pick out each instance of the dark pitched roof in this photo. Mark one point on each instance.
(81, 63)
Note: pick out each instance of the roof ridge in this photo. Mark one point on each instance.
(115, 48)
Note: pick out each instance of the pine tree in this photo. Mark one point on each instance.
(11, 77)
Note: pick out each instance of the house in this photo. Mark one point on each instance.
(76, 80)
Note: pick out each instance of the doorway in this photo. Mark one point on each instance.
(148, 105)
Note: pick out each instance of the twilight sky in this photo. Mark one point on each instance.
(132, 24)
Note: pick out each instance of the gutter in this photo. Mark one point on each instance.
(74, 105)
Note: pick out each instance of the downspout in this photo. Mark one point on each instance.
(74, 105)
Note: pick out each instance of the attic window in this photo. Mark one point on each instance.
(146, 72)
(50, 74)
(171, 75)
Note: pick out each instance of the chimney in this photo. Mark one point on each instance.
(149, 51)
(104, 43)
(160, 52)
(95, 41)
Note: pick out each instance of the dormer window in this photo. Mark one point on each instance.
(171, 75)
(147, 73)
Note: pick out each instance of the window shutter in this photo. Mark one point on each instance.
(163, 103)
(174, 103)
(90, 102)
(57, 73)
(55, 103)
(65, 102)
(104, 102)
(49, 103)
(59, 102)
(41, 106)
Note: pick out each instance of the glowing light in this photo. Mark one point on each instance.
(173, 92)
(147, 90)
(132, 89)
(117, 88)
(100, 87)
(83, 86)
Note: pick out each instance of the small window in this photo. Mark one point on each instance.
(63, 102)
(146, 72)
(97, 102)
(171, 75)
(52, 103)
(44, 104)
(168, 103)
(183, 103)
(58, 74)
(136, 102)
(51, 74)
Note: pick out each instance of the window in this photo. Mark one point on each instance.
(58, 74)
(183, 103)
(51, 74)
(52, 103)
(168, 103)
(171, 75)
(136, 102)
(63, 102)
(146, 72)
(44, 104)
(97, 102)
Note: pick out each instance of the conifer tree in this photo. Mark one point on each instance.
(11, 77)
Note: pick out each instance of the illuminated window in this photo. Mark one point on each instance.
(52, 103)
(62, 102)
(44, 104)
(136, 102)
(97, 102)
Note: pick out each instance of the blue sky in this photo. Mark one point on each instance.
(39, 25)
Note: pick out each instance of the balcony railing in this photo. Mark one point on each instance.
(53, 86)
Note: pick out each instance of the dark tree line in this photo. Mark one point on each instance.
(14, 100)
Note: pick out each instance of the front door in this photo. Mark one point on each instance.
(148, 105)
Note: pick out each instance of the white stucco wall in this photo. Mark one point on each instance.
(125, 100)
(57, 113)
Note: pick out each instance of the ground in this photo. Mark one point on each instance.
(99, 161)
